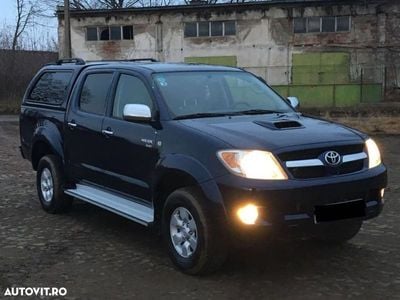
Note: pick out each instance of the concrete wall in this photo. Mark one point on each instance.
(266, 45)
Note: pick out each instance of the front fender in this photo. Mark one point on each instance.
(194, 169)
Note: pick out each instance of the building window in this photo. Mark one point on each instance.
(217, 29)
(321, 24)
(104, 33)
(115, 33)
(230, 28)
(91, 33)
(343, 23)
(107, 33)
(204, 28)
(191, 29)
(210, 28)
(300, 25)
(128, 32)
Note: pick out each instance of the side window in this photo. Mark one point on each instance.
(130, 90)
(94, 93)
(51, 88)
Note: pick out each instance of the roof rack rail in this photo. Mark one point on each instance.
(77, 61)
(143, 59)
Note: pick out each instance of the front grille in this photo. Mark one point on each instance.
(315, 152)
(323, 170)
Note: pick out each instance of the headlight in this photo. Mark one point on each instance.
(252, 164)
(374, 156)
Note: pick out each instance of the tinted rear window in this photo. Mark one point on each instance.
(94, 93)
(51, 88)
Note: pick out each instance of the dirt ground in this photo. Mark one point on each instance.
(98, 255)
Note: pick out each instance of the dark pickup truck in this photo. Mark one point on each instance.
(208, 155)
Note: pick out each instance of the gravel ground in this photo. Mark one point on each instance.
(98, 255)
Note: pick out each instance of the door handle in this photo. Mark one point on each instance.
(107, 132)
(72, 124)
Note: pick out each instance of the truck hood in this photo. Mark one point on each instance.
(273, 131)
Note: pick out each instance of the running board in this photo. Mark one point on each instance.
(121, 206)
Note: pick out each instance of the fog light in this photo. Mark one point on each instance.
(248, 214)
(382, 193)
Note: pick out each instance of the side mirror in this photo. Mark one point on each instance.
(294, 102)
(137, 112)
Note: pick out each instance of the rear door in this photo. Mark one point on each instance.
(131, 145)
(84, 141)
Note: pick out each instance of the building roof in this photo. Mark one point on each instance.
(218, 6)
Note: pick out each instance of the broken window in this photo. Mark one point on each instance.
(191, 29)
(128, 32)
(300, 25)
(216, 29)
(91, 33)
(230, 28)
(328, 24)
(104, 33)
(204, 28)
(343, 23)
(115, 32)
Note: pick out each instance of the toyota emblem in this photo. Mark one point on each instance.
(332, 158)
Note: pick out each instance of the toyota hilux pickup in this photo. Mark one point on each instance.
(207, 155)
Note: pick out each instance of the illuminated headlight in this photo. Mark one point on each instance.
(248, 214)
(374, 156)
(252, 164)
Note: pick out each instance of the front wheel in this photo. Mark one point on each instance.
(191, 234)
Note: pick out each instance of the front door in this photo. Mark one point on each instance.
(131, 145)
(84, 141)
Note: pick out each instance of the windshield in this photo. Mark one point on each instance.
(217, 93)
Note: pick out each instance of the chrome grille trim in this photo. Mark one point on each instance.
(317, 162)
(304, 163)
(353, 157)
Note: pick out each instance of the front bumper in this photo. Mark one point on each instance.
(292, 203)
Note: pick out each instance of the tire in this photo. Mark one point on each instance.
(339, 232)
(187, 205)
(50, 182)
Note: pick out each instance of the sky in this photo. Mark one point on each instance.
(7, 11)
(7, 19)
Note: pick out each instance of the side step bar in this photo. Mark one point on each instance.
(121, 206)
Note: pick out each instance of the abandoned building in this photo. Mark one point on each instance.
(326, 52)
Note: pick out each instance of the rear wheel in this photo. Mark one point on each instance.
(50, 182)
(191, 234)
(339, 232)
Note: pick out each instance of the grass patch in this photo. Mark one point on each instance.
(9, 107)
(374, 124)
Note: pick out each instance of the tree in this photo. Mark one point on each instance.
(93, 4)
(26, 11)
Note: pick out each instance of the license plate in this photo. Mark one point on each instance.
(340, 211)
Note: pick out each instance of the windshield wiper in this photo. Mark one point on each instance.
(203, 115)
(257, 112)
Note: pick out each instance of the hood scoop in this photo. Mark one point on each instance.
(282, 124)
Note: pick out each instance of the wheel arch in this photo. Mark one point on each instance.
(47, 140)
(179, 171)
